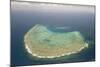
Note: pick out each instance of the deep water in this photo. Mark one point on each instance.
(26, 15)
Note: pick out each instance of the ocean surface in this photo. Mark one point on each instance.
(58, 18)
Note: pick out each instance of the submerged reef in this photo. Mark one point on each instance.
(44, 43)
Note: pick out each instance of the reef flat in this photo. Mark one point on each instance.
(44, 43)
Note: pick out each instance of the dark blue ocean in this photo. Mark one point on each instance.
(25, 15)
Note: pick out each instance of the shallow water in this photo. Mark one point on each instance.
(25, 15)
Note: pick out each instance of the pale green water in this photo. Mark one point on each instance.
(25, 15)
